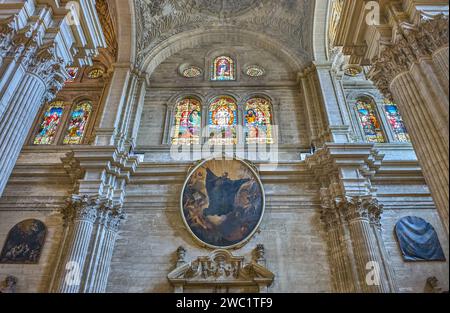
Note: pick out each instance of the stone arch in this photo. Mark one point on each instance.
(296, 59)
(320, 31)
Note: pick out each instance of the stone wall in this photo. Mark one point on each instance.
(146, 250)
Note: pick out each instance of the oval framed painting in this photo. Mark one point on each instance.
(223, 203)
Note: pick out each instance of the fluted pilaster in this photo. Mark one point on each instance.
(341, 269)
(369, 262)
(81, 215)
(93, 225)
(107, 230)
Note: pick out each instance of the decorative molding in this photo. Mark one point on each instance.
(221, 268)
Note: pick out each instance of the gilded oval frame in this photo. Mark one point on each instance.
(256, 228)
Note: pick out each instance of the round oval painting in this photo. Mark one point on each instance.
(223, 203)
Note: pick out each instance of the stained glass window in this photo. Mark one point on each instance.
(188, 122)
(222, 121)
(396, 121)
(255, 71)
(78, 124)
(96, 73)
(369, 121)
(73, 72)
(223, 69)
(258, 121)
(49, 125)
(192, 72)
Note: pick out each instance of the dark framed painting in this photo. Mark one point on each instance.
(223, 203)
(24, 243)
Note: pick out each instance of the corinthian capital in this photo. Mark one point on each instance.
(49, 67)
(6, 34)
(353, 209)
(80, 208)
(111, 215)
(330, 219)
(114, 221)
(375, 212)
(363, 208)
(411, 44)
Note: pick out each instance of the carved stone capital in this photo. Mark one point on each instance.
(375, 212)
(353, 209)
(361, 208)
(50, 69)
(82, 208)
(115, 220)
(330, 218)
(412, 44)
(6, 34)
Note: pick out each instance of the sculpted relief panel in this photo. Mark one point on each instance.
(289, 21)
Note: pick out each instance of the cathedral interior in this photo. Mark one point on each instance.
(264, 146)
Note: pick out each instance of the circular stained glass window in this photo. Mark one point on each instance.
(353, 71)
(255, 71)
(192, 72)
(96, 73)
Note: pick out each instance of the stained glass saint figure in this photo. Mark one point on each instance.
(49, 125)
(223, 69)
(370, 122)
(258, 121)
(222, 121)
(396, 122)
(78, 124)
(188, 122)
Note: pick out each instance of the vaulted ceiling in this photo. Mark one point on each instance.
(290, 22)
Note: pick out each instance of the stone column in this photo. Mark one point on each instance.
(369, 262)
(375, 212)
(36, 46)
(107, 229)
(31, 76)
(429, 139)
(341, 268)
(414, 72)
(441, 60)
(81, 214)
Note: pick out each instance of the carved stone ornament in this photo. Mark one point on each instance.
(412, 44)
(93, 209)
(221, 268)
(361, 208)
(286, 20)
